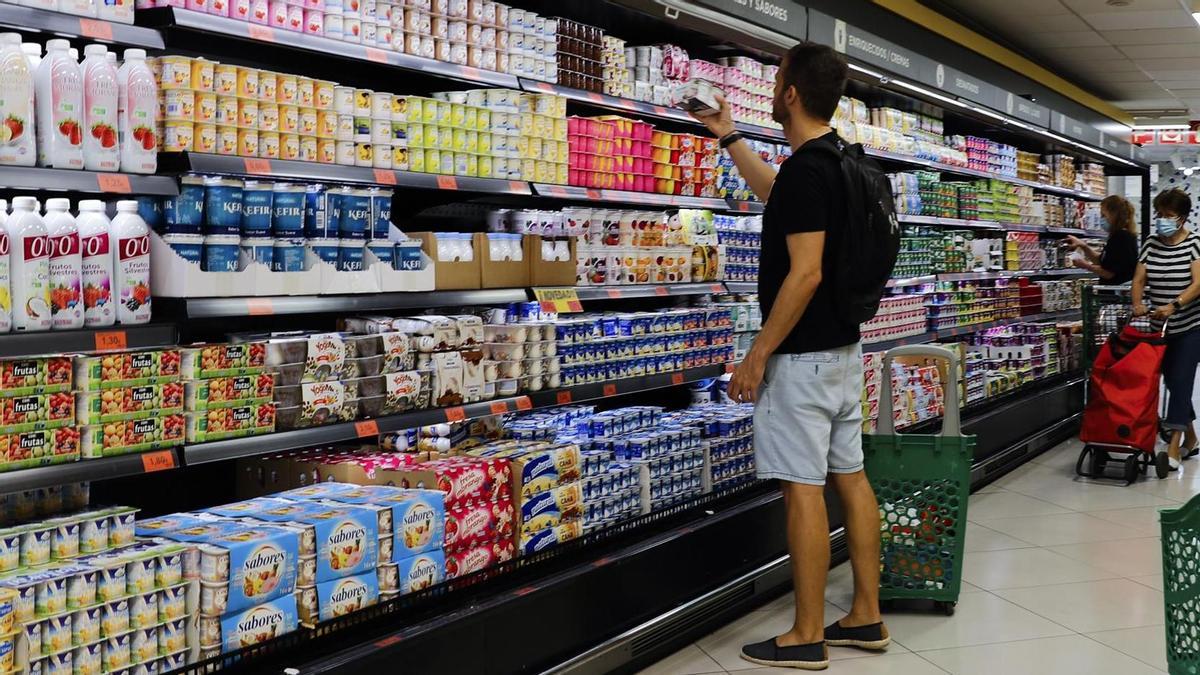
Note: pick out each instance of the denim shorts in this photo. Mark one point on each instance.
(808, 419)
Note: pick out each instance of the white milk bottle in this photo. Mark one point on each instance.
(131, 264)
(100, 150)
(29, 266)
(137, 104)
(5, 292)
(59, 85)
(99, 307)
(17, 144)
(66, 296)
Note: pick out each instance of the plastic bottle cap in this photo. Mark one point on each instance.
(57, 44)
(58, 204)
(127, 206)
(91, 205)
(74, 53)
(135, 54)
(111, 57)
(10, 38)
(95, 50)
(26, 203)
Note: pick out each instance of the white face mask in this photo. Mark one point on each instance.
(1166, 227)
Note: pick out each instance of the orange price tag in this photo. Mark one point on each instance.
(259, 306)
(523, 403)
(661, 290)
(517, 185)
(743, 206)
(499, 408)
(593, 193)
(549, 307)
(376, 55)
(257, 165)
(659, 110)
(99, 30)
(610, 390)
(545, 86)
(447, 183)
(593, 96)
(470, 72)
(729, 367)
(614, 293)
(563, 397)
(158, 461)
(717, 288)
(366, 428)
(113, 182)
(456, 414)
(110, 340)
(677, 378)
(264, 33)
(385, 176)
(558, 191)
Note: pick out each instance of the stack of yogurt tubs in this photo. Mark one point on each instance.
(741, 237)
(225, 224)
(474, 33)
(86, 596)
(599, 348)
(227, 392)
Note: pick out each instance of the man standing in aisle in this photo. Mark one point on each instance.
(805, 371)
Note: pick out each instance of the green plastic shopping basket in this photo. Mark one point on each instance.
(922, 482)
(1181, 586)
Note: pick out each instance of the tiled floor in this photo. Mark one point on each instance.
(1062, 575)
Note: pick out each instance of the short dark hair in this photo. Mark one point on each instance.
(1174, 200)
(819, 75)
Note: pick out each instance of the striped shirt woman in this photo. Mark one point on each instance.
(1166, 285)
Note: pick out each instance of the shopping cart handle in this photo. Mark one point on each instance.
(950, 418)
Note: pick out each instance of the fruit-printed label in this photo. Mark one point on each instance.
(133, 260)
(137, 122)
(97, 280)
(35, 448)
(16, 112)
(224, 392)
(62, 147)
(350, 594)
(347, 541)
(121, 403)
(100, 151)
(261, 565)
(224, 360)
(258, 624)
(478, 522)
(126, 369)
(116, 438)
(417, 516)
(5, 295)
(32, 285)
(231, 422)
(36, 411)
(469, 560)
(66, 301)
(326, 356)
(35, 376)
(418, 572)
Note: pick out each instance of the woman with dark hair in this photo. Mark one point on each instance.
(1119, 259)
(1168, 277)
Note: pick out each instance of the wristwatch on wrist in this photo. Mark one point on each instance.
(729, 139)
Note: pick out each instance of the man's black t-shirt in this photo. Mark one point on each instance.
(1120, 256)
(809, 195)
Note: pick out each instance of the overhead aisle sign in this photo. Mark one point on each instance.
(1075, 129)
(866, 46)
(1022, 108)
(781, 16)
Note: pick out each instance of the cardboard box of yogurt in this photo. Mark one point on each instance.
(420, 571)
(222, 360)
(122, 437)
(230, 422)
(129, 402)
(257, 564)
(347, 540)
(227, 392)
(338, 597)
(416, 518)
(253, 625)
(550, 507)
(126, 368)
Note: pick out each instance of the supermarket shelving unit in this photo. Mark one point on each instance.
(616, 598)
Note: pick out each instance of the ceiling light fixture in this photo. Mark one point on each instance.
(1161, 127)
(1196, 16)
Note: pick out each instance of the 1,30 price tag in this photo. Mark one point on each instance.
(376, 55)
(563, 397)
(158, 461)
(456, 414)
(113, 182)
(366, 428)
(111, 340)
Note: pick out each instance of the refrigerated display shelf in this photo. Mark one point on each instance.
(964, 171)
(110, 338)
(106, 468)
(61, 24)
(214, 308)
(957, 331)
(199, 162)
(742, 206)
(741, 286)
(574, 192)
(90, 182)
(302, 44)
(648, 291)
(217, 451)
(972, 276)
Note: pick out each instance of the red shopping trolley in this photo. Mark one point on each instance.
(1122, 416)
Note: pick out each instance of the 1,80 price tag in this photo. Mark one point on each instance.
(158, 461)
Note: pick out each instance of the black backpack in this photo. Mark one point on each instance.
(870, 236)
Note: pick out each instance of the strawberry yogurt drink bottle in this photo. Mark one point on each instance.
(137, 104)
(101, 151)
(59, 86)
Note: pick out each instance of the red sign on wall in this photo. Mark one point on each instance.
(1176, 137)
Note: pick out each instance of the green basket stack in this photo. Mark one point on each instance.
(922, 482)
(1181, 586)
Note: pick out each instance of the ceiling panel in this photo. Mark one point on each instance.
(1167, 18)
(1084, 54)
(1151, 36)
(1080, 38)
(1135, 6)
(1177, 50)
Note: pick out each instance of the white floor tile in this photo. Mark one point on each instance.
(1154, 581)
(1025, 567)
(1092, 606)
(981, 618)
(980, 538)
(690, 660)
(1056, 529)
(1008, 505)
(1144, 519)
(1177, 490)
(1129, 557)
(1086, 496)
(1146, 644)
(1050, 656)
(887, 664)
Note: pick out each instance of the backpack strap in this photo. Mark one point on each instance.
(826, 145)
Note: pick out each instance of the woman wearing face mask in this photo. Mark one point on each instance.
(1119, 259)
(1169, 265)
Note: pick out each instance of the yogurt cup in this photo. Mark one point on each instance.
(326, 249)
(259, 250)
(350, 255)
(288, 255)
(221, 253)
(190, 247)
